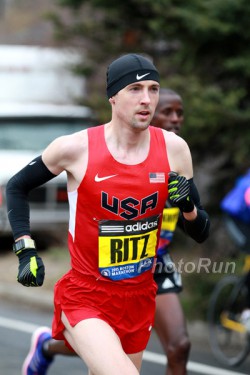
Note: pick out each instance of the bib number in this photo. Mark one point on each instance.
(127, 248)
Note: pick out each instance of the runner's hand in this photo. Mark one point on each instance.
(31, 269)
(179, 192)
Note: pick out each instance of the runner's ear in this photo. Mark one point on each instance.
(112, 100)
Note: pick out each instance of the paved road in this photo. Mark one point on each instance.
(17, 323)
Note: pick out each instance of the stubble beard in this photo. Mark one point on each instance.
(140, 125)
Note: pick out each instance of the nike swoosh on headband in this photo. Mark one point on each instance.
(142, 76)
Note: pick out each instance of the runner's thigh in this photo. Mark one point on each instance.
(100, 348)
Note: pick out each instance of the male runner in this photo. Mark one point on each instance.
(117, 187)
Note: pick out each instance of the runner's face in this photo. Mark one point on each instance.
(169, 114)
(136, 103)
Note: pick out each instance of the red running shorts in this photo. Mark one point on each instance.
(129, 310)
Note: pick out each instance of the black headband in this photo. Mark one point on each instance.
(128, 69)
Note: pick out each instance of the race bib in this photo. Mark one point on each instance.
(127, 248)
(169, 221)
(169, 218)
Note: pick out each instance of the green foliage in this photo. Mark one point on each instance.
(74, 4)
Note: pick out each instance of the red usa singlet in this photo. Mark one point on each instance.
(116, 212)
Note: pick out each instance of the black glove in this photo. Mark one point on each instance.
(31, 269)
(179, 190)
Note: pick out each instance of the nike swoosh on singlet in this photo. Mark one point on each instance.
(99, 179)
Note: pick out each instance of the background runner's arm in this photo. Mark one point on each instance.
(33, 175)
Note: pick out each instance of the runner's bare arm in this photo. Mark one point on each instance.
(68, 153)
(179, 155)
(180, 161)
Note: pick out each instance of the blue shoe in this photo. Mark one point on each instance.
(35, 362)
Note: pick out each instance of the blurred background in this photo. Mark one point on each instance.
(53, 60)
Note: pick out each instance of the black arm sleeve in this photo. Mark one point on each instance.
(17, 190)
(197, 229)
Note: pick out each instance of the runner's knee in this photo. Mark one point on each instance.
(178, 351)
